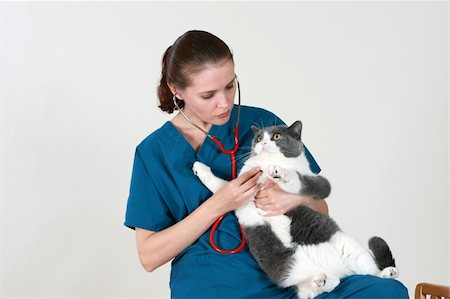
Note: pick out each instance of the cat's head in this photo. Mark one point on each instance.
(275, 139)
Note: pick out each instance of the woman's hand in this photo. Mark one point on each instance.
(236, 192)
(275, 201)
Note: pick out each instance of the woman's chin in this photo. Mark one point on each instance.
(220, 121)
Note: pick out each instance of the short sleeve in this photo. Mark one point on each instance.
(315, 168)
(145, 207)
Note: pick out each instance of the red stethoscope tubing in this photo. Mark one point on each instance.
(232, 154)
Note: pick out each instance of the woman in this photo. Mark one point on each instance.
(172, 211)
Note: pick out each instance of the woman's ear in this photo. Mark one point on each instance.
(172, 88)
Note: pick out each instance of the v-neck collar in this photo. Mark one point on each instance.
(220, 132)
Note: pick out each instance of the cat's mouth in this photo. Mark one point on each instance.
(264, 150)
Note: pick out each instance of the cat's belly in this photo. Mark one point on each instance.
(281, 227)
(310, 260)
(249, 215)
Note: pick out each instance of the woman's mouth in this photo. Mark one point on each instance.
(224, 115)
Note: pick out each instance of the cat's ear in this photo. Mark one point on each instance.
(296, 127)
(255, 130)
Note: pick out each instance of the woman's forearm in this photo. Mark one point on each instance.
(157, 248)
(319, 205)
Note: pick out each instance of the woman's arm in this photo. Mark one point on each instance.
(157, 248)
(276, 201)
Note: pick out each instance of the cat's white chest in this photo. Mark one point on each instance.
(286, 172)
(281, 169)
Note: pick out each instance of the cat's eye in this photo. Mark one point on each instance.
(259, 138)
(276, 136)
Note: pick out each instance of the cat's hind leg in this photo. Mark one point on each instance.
(315, 269)
(358, 259)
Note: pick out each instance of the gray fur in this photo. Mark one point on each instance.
(268, 250)
(309, 227)
(316, 186)
(281, 243)
(290, 145)
(382, 253)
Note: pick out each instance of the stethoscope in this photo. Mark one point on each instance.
(232, 154)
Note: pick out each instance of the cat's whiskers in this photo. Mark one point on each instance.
(242, 157)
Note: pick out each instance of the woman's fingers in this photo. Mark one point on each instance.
(251, 182)
(241, 179)
(250, 192)
(268, 184)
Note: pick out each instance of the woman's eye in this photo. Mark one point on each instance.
(276, 136)
(230, 86)
(207, 96)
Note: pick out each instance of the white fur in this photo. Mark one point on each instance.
(340, 257)
(249, 215)
(315, 268)
(281, 227)
(208, 179)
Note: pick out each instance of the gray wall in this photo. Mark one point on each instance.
(369, 80)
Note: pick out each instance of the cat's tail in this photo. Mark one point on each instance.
(382, 253)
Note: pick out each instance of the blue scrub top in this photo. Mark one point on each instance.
(164, 191)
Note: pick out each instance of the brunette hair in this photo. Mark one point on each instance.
(187, 56)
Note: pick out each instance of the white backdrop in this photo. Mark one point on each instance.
(369, 80)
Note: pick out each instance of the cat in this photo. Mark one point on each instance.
(303, 248)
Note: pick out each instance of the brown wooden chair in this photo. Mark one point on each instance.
(433, 290)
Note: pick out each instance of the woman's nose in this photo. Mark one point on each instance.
(222, 102)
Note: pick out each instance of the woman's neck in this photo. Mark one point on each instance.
(193, 135)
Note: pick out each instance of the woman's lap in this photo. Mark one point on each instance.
(367, 286)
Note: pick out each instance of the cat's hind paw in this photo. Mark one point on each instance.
(319, 281)
(389, 272)
(317, 285)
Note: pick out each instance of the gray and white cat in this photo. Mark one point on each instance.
(303, 248)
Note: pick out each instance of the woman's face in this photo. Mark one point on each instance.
(210, 96)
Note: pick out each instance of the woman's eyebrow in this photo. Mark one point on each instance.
(215, 90)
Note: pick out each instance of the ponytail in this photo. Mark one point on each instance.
(164, 93)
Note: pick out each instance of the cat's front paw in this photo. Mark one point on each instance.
(389, 272)
(276, 172)
(202, 171)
